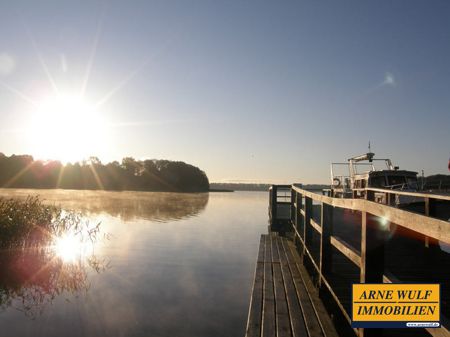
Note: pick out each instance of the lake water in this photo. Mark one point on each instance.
(171, 265)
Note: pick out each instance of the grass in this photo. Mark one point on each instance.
(31, 273)
(30, 223)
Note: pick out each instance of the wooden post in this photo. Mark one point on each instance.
(307, 223)
(274, 203)
(390, 200)
(325, 241)
(372, 250)
(370, 195)
(427, 213)
(372, 258)
(430, 210)
(293, 205)
(299, 207)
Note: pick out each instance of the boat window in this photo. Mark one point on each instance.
(396, 180)
(412, 182)
(363, 183)
(377, 181)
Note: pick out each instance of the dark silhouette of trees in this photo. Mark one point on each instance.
(22, 171)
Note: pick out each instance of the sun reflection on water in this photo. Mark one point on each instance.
(70, 248)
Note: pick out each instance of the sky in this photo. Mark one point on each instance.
(249, 91)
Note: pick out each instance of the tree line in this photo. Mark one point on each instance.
(22, 171)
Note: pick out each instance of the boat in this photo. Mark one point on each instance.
(350, 179)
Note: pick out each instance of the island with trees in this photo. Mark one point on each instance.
(22, 171)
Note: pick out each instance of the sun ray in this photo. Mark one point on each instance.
(96, 177)
(40, 58)
(93, 54)
(123, 83)
(19, 94)
(60, 176)
(146, 123)
(18, 175)
(133, 73)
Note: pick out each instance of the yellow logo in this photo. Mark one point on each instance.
(395, 305)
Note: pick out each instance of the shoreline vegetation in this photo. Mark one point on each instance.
(437, 182)
(33, 271)
(22, 171)
(231, 187)
(30, 223)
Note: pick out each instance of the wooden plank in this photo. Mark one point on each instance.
(443, 331)
(261, 251)
(316, 226)
(275, 257)
(268, 316)
(309, 315)
(325, 321)
(439, 332)
(412, 194)
(268, 250)
(295, 260)
(435, 228)
(283, 325)
(256, 303)
(295, 313)
(347, 250)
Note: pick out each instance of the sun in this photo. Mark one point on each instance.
(67, 128)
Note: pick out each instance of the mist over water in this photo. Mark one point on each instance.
(177, 265)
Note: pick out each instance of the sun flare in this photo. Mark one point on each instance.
(70, 248)
(67, 128)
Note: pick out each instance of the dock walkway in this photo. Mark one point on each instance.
(284, 301)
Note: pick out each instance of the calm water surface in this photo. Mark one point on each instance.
(172, 265)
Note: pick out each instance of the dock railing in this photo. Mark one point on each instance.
(316, 239)
(280, 202)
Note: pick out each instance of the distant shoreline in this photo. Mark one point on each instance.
(256, 187)
(213, 190)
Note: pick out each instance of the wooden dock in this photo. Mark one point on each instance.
(325, 244)
(284, 302)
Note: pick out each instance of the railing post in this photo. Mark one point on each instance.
(430, 210)
(307, 223)
(293, 205)
(298, 202)
(296, 224)
(274, 203)
(299, 207)
(389, 199)
(325, 241)
(370, 195)
(372, 258)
